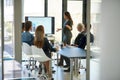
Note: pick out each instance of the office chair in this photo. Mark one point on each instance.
(40, 56)
(27, 56)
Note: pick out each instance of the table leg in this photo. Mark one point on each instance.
(76, 66)
(71, 69)
(57, 57)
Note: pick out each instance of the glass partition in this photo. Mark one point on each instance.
(0, 46)
(8, 38)
(95, 47)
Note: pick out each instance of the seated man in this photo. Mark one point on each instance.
(80, 28)
(83, 40)
(27, 37)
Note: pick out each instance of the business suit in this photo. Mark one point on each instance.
(83, 40)
(77, 39)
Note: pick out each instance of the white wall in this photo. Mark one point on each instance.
(110, 40)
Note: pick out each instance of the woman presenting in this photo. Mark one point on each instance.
(67, 35)
(67, 27)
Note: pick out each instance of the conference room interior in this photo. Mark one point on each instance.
(14, 12)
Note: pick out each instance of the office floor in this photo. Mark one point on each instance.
(14, 71)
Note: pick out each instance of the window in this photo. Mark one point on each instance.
(56, 11)
(9, 2)
(75, 9)
(95, 19)
(33, 8)
(8, 29)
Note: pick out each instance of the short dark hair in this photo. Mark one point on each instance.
(86, 26)
(28, 25)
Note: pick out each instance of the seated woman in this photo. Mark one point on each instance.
(27, 37)
(41, 42)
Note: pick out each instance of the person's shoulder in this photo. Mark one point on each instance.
(82, 33)
(45, 39)
(30, 33)
(69, 21)
(91, 37)
(23, 33)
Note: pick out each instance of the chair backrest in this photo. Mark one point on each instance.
(39, 51)
(26, 49)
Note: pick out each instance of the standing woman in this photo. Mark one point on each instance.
(67, 35)
(67, 27)
(41, 42)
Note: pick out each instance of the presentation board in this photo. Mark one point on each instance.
(47, 22)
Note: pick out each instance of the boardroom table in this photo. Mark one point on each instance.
(72, 52)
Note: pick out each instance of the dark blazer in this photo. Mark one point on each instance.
(77, 39)
(47, 48)
(83, 40)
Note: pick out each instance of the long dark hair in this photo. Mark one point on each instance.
(68, 16)
(39, 36)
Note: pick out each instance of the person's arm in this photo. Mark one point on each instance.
(69, 27)
(49, 46)
(58, 29)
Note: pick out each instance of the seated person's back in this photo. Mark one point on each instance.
(47, 48)
(27, 37)
(41, 42)
(91, 38)
(83, 40)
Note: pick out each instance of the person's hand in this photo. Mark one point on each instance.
(72, 45)
(57, 48)
(58, 29)
(76, 45)
(68, 27)
(51, 54)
